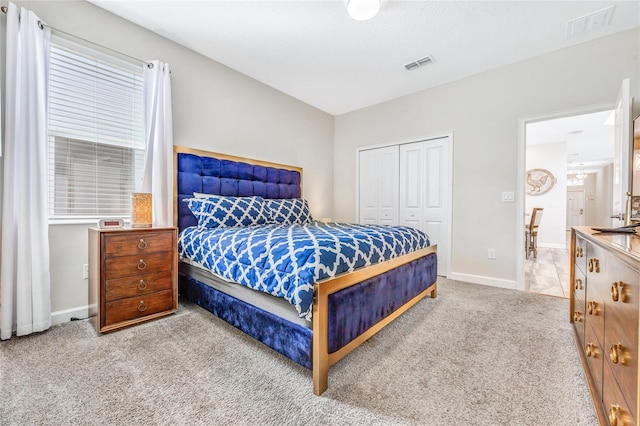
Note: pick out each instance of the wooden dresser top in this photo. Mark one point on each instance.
(625, 246)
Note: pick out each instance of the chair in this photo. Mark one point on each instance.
(531, 232)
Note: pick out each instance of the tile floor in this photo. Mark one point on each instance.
(549, 272)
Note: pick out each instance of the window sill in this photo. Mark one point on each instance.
(80, 221)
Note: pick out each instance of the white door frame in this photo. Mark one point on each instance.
(520, 194)
(449, 184)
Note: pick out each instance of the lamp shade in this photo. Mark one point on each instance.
(361, 10)
(141, 210)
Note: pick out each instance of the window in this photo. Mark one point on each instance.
(96, 132)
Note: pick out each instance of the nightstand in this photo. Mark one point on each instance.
(133, 276)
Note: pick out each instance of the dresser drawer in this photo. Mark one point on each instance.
(579, 319)
(622, 296)
(621, 349)
(579, 285)
(595, 261)
(595, 357)
(137, 307)
(580, 254)
(137, 243)
(615, 406)
(138, 285)
(124, 266)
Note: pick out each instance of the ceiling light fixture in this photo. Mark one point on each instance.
(361, 10)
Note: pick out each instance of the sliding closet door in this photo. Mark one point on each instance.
(378, 186)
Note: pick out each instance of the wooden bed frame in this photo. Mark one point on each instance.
(321, 358)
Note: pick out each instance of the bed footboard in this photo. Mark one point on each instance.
(338, 329)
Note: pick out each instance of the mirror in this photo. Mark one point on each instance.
(635, 164)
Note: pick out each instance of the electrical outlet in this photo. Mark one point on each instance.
(491, 254)
(85, 271)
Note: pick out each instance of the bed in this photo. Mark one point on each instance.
(337, 312)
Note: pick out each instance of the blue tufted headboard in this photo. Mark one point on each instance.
(212, 173)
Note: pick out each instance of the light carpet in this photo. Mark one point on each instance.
(475, 355)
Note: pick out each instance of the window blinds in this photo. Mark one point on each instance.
(96, 132)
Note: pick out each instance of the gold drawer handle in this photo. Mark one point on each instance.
(142, 244)
(578, 285)
(141, 264)
(142, 306)
(617, 292)
(614, 414)
(615, 353)
(579, 252)
(594, 265)
(592, 308)
(589, 350)
(142, 285)
(577, 316)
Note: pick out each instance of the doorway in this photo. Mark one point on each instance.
(568, 163)
(575, 208)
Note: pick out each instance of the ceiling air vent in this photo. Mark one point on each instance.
(419, 63)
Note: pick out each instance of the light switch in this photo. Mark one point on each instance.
(508, 197)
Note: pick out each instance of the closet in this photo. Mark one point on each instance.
(408, 184)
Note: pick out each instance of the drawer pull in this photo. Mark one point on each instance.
(577, 316)
(614, 414)
(615, 353)
(142, 244)
(142, 306)
(589, 350)
(617, 292)
(579, 284)
(579, 252)
(594, 265)
(141, 264)
(592, 308)
(142, 285)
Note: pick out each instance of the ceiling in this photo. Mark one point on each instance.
(314, 52)
(590, 142)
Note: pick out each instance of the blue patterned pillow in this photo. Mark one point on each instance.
(288, 211)
(216, 211)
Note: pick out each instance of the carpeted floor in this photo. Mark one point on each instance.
(476, 355)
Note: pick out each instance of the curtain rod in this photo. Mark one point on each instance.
(41, 24)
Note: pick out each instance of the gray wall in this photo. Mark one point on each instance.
(214, 108)
(483, 112)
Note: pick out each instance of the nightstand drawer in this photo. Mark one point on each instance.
(137, 307)
(137, 243)
(139, 285)
(117, 267)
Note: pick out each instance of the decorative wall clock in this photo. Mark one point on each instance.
(539, 181)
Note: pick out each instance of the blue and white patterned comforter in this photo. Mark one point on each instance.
(285, 260)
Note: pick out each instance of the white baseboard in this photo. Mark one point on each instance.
(479, 279)
(60, 317)
(552, 245)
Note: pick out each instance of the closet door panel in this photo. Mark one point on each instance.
(368, 187)
(378, 186)
(435, 209)
(411, 184)
(388, 196)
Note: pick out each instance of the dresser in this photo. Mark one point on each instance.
(605, 276)
(132, 276)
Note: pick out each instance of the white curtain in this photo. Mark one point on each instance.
(158, 166)
(25, 304)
